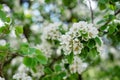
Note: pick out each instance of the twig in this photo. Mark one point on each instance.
(92, 18)
(116, 13)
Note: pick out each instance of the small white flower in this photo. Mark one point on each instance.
(92, 31)
(46, 48)
(66, 43)
(1, 23)
(69, 44)
(2, 42)
(51, 31)
(22, 76)
(77, 66)
(77, 46)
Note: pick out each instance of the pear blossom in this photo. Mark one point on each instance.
(21, 76)
(77, 66)
(51, 31)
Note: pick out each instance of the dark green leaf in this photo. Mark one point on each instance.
(102, 28)
(57, 68)
(98, 41)
(70, 57)
(91, 43)
(48, 70)
(93, 53)
(29, 62)
(112, 29)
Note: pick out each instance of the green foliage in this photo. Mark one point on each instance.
(18, 30)
(98, 41)
(29, 62)
(93, 53)
(40, 57)
(91, 43)
(47, 70)
(37, 55)
(22, 19)
(70, 57)
(57, 68)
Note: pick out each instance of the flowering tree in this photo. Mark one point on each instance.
(59, 40)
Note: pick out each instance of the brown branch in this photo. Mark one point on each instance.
(80, 77)
(116, 13)
(55, 60)
(1, 70)
(92, 18)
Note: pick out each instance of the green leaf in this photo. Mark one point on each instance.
(93, 53)
(91, 43)
(98, 41)
(41, 57)
(56, 77)
(47, 1)
(1, 6)
(102, 28)
(84, 52)
(5, 29)
(32, 50)
(24, 50)
(112, 6)
(111, 17)
(103, 1)
(29, 62)
(70, 58)
(48, 70)
(57, 68)
(2, 56)
(101, 21)
(18, 30)
(101, 6)
(62, 74)
(47, 78)
(3, 15)
(112, 29)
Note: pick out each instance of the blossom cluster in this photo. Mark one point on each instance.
(71, 42)
(51, 31)
(21, 76)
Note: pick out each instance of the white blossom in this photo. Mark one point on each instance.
(77, 66)
(2, 42)
(77, 27)
(77, 46)
(66, 43)
(45, 47)
(1, 23)
(69, 44)
(51, 31)
(83, 27)
(92, 31)
(22, 68)
(21, 76)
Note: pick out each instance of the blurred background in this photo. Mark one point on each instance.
(32, 15)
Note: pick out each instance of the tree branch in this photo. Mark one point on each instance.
(116, 13)
(92, 18)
